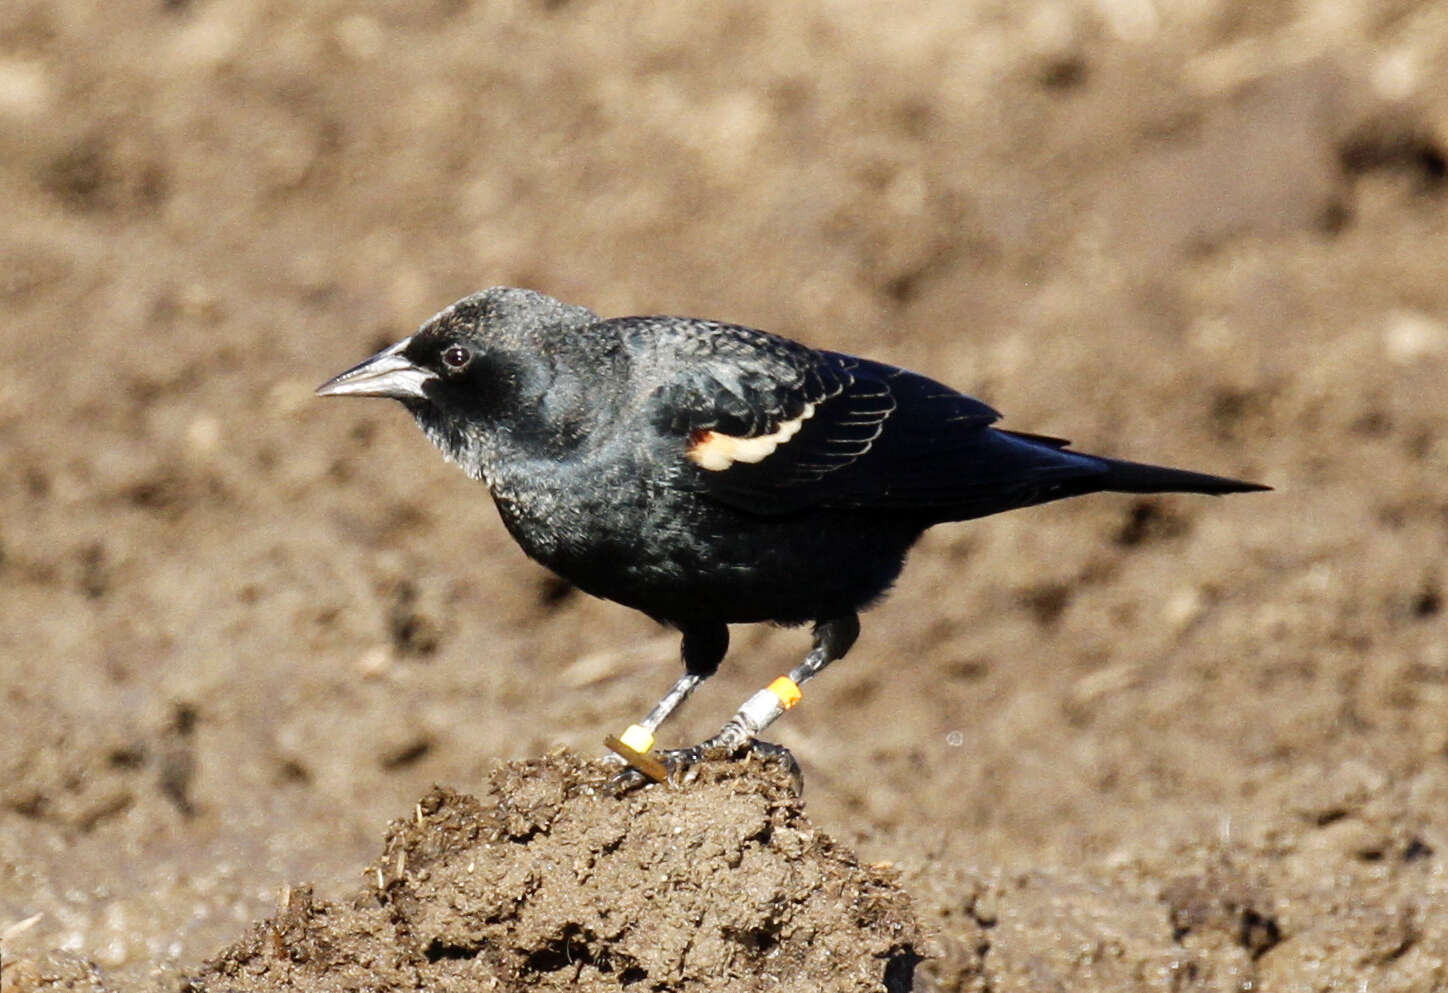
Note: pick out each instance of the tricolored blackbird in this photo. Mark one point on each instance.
(709, 474)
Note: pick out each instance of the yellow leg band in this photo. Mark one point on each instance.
(638, 737)
(787, 690)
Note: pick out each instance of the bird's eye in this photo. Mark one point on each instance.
(456, 356)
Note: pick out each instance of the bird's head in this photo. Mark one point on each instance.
(485, 367)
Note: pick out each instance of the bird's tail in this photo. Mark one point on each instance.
(1122, 476)
(1137, 477)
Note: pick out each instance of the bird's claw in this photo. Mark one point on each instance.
(680, 766)
(626, 780)
(768, 751)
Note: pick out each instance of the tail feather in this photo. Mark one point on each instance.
(1137, 477)
(1134, 477)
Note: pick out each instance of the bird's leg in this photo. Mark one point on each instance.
(832, 639)
(703, 649)
(678, 693)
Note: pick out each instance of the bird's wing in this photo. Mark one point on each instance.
(770, 426)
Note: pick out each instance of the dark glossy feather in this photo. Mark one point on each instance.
(875, 436)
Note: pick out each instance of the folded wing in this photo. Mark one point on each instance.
(770, 426)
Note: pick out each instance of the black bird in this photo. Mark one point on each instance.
(709, 474)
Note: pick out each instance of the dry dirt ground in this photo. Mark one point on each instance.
(1166, 744)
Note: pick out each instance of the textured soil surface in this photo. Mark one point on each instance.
(1175, 743)
(560, 885)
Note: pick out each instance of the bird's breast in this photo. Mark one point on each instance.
(676, 554)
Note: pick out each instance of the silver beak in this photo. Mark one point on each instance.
(389, 373)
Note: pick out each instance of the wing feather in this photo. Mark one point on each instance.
(771, 426)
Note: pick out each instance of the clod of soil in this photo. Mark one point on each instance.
(554, 883)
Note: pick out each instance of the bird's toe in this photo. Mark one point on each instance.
(778, 755)
(626, 780)
(681, 766)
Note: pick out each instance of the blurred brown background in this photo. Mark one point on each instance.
(241, 628)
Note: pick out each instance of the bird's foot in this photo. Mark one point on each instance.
(768, 751)
(680, 766)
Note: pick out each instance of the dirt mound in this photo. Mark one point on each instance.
(555, 883)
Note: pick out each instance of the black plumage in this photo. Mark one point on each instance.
(710, 474)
